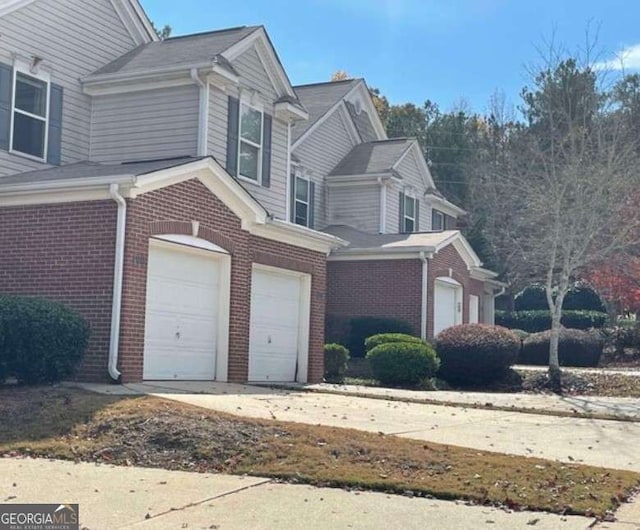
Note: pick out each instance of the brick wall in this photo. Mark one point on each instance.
(380, 288)
(171, 210)
(64, 252)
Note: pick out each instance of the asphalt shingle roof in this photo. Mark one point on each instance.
(83, 170)
(363, 240)
(372, 157)
(189, 49)
(318, 98)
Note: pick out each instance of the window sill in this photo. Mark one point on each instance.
(27, 156)
(250, 181)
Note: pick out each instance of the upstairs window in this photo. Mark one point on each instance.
(302, 200)
(30, 115)
(250, 152)
(437, 220)
(409, 213)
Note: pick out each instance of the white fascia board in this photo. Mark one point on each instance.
(64, 184)
(414, 147)
(346, 118)
(25, 198)
(289, 112)
(379, 254)
(479, 273)
(356, 180)
(135, 21)
(445, 206)
(149, 74)
(466, 252)
(296, 235)
(372, 111)
(11, 5)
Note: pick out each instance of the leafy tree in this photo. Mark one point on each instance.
(164, 32)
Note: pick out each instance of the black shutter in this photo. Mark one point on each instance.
(54, 142)
(266, 150)
(233, 132)
(312, 204)
(401, 210)
(6, 75)
(416, 225)
(292, 198)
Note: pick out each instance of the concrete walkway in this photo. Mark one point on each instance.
(623, 408)
(603, 443)
(127, 497)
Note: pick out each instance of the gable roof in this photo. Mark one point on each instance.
(373, 157)
(319, 99)
(196, 49)
(362, 122)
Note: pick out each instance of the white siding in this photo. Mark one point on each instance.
(273, 198)
(157, 123)
(253, 74)
(412, 176)
(319, 153)
(74, 38)
(356, 206)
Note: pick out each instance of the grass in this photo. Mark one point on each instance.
(58, 422)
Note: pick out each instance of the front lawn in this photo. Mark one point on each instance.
(58, 422)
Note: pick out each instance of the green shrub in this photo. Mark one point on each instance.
(404, 364)
(41, 341)
(383, 338)
(475, 353)
(337, 329)
(532, 298)
(535, 321)
(363, 327)
(336, 357)
(575, 348)
(580, 297)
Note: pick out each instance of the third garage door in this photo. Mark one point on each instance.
(278, 339)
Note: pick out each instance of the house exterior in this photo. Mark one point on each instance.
(405, 259)
(198, 210)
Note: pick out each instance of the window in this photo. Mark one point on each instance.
(250, 151)
(301, 206)
(437, 220)
(409, 221)
(30, 115)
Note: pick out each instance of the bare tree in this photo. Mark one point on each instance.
(563, 190)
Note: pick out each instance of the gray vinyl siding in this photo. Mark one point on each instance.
(411, 174)
(319, 153)
(157, 123)
(273, 198)
(253, 74)
(356, 206)
(74, 38)
(392, 220)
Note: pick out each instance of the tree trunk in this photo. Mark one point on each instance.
(555, 374)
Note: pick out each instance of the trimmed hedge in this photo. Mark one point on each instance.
(535, 321)
(581, 297)
(383, 338)
(362, 327)
(403, 364)
(41, 341)
(475, 353)
(336, 357)
(575, 348)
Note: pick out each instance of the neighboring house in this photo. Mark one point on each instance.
(184, 197)
(404, 259)
(144, 183)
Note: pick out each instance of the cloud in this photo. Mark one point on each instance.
(626, 59)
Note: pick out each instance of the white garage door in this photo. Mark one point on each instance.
(278, 338)
(181, 313)
(446, 300)
(474, 309)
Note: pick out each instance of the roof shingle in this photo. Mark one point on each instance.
(372, 157)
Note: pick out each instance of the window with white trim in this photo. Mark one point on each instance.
(250, 148)
(409, 221)
(30, 114)
(437, 220)
(301, 206)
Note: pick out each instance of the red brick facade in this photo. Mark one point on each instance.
(393, 288)
(66, 252)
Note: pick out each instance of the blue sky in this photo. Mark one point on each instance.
(413, 50)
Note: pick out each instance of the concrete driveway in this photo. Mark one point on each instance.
(112, 498)
(597, 442)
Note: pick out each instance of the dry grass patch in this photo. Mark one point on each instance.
(67, 423)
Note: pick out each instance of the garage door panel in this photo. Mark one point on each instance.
(444, 307)
(183, 293)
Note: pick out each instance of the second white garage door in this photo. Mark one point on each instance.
(279, 334)
(447, 302)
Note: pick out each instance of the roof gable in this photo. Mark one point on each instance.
(413, 155)
(379, 157)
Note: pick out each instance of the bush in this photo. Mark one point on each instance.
(336, 357)
(363, 327)
(475, 353)
(532, 298)
(575, 348)
(581, 297)
(535, 321)
(520, 333)
(402, 363)
(383, 338)
(40, 341)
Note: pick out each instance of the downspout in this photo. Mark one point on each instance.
(203, 112)
(425, 285)
(116, 304)
(383, 206)
(288, 204)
